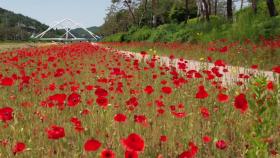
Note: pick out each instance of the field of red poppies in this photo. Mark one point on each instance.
(263, 55)
(83, 100)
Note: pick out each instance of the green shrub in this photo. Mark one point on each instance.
(119, 37)
(160, 36)
(270, 27)
(141, 34)
(169, 27)
(186, 35)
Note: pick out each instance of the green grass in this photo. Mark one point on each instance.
(9, 46)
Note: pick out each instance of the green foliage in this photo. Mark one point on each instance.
(141, 34)
(246, 25)
(119, 37)
(160, 36)
(176, 27)
(251, 25)
(177, 14)
(183, 35)
(164, 33)
(264, 105)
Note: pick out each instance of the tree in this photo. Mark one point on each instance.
(187, 9)
(209, 7)
(254, 6)
(128, 4)
(161, 10)
(215, 7)
(241, 4)
(271, 8)
(229, 10)
(206, 10)
(177, 14)
(117, 20)
(144, 4)
(154, 8)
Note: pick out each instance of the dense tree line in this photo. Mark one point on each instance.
(124, 14)
(18, 27)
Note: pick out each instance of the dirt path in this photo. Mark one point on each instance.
(230, 74)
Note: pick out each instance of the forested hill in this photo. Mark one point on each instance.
(17, 26)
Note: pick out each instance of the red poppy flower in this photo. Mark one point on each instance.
(58, 99)
(134, 142)
(159, 103)
(163, 138)
(7, 81)
(270, 86)
(222, 98)
(51, 59)
(160, 111)
(102, 101)
(117, 71)
(120, 118)
(254, 67)
(106, 153)
(89, 87)
(85, 112)
(276, 69)
(52, 87)
(74, 99)
(201, 94)
(220, 63)
(131, 154)
(75, 121)
(77, 124)
(6, 114)
(100, 92)
(166, 90)
(224, 49)
(191, 152)
(241, 103)
(140, 119)
(206, 139)
(149, 90)
(204, 112)
(59, 72)
(4, 142)
(273, 152)
(221, 144)
(92, 145)
(132, 102)
(55, 132)
(18, 148)
(211, 49)
(179, 114)
(163, 82)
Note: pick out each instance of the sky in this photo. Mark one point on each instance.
(86, 12)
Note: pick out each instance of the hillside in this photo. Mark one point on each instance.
(79, 32)
(17, 26)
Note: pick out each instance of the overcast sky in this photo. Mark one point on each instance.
(86, 12)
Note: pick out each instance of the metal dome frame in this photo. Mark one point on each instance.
(68, 35)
